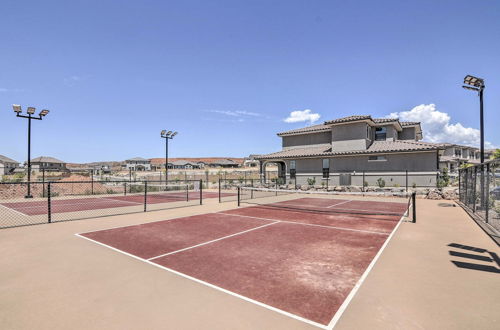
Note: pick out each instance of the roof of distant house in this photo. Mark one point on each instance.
(375, 147)
(46, 159)
(5, 159)
(138, 159)
(326, 126)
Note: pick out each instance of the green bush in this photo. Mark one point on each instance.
(381, 182)
(365, 184)
(414, 185)
(311, 181)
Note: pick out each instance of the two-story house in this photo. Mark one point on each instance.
(137, 164)
(7, 165)
(455, 155)
(340, 150)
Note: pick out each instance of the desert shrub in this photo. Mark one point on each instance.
(381, 182)
(365, 184)
(414, 185)
(311, 181)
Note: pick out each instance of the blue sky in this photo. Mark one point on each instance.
(226, 74)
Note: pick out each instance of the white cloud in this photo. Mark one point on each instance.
(437, 126)
(301, 116)
(238, 115)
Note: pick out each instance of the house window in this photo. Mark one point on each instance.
(292, 169)
(326, 168)
(458, 152)
(376, 158)
(380, 133)
(368, 132)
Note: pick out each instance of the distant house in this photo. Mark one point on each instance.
(184, 164)
(455, 156)
(137, 164)
(225, 163)
(48, 164)
(7, 165)
(250, 161)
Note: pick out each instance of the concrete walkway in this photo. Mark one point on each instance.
(51, 279)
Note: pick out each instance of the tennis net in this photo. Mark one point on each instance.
(165, 191)
(401, 204)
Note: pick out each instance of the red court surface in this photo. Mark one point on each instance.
(95, 203)
(301, 264)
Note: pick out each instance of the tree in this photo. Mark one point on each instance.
(496, 154)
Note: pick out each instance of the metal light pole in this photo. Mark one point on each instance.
(477, 84)
(30, 111)
(167, 136)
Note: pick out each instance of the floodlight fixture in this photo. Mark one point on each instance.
(44, 112)
(474, 81)
(174, 134)
(31, 110)
(17, 108)
(163, 132)
(169, 132)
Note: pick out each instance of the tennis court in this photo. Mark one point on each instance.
(302, 255)
(75, 204)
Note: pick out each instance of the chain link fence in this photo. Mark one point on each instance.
(32, 203)
(480, 194)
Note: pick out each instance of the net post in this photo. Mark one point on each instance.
(201, 191)
(187, 192)
(239, 195)
(362, 183)
(145, 195)
(220, 190)
(92, 181)
(406, 177)
(49, 215)
(414, 204)
(124, 189)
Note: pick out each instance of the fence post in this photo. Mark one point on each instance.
(49, 215)
(187, 192)
(220, 190)
(92, 182)
(239, 195)
(414, 202)
(474, 191)
(487, 191)
(406, 180)
(201, 191)
(124, 189)
(145, 195)
(363, 183)
(43, 182)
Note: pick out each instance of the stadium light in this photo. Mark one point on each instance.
(477, 84)
(30, 111)
(167, 136)
(163, 133)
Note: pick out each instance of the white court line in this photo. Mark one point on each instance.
(274, 309)
(13, 210)
(348, 201)
(356, 287)
(212, 241)
(119, 200)
(308, 224)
